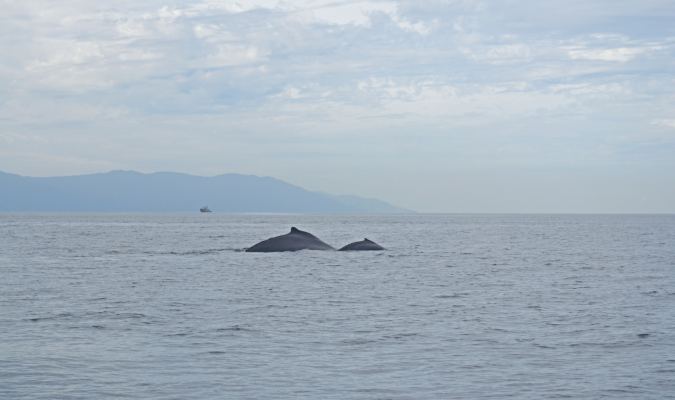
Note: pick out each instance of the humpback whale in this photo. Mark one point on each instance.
(293, 241)
(365, 244)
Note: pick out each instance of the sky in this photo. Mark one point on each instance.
(437, 106)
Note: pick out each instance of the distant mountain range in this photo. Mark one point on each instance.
(129, 191)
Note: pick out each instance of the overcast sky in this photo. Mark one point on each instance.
(437, 105)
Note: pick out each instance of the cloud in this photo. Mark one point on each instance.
(621, 54)
(612, 48)
(664, 123)
(499, 54)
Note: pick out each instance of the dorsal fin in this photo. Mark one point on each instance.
(294, 229)
(367, 240)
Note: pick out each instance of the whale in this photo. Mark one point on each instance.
(365, 244)
(293, 241)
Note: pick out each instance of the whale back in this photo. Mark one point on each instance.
(364, 245)
(293, 241)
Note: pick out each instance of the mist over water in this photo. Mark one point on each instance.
(459, 306)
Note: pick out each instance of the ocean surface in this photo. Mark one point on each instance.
(459, 307)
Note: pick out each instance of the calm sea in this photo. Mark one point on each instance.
(459, 307)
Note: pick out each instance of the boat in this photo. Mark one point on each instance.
(205, 209)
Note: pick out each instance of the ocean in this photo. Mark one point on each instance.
(168, 306)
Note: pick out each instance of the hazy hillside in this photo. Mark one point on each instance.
(120, 191)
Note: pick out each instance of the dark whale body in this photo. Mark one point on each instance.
(293, 241)
(365, 244)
